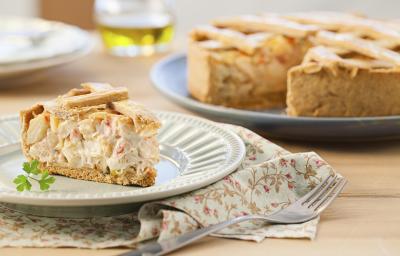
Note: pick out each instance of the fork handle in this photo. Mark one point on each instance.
(169, 245)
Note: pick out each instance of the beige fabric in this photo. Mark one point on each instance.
(247, 190)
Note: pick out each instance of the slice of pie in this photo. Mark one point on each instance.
(94, 133)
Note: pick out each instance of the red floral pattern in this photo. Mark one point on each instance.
(269, 179)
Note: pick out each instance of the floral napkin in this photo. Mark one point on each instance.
(269, 179)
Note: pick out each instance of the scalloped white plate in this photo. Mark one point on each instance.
(195, 153)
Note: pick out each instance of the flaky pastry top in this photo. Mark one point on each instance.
(346, 39)
(99, 97)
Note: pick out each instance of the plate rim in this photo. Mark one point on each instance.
(138, 195)
(10, 66)
(39, 64)
(241, 113)
(7, 71)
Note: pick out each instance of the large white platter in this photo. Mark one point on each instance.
(195, 153)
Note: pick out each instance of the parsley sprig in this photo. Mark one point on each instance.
(23, 181)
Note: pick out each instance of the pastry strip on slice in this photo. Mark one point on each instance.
(95, 98)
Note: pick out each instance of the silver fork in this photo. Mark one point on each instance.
(306, 208)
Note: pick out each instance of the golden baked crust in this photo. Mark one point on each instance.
(346, 76)
(141, 117)
(94, 100)
(130, 178)
(267, 23)
(25, 116)
(343, 92)
(336, 50)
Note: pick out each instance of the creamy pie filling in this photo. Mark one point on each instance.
(104, 141)
(241, 80)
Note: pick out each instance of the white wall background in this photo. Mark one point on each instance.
(192, 12)
(19, 7)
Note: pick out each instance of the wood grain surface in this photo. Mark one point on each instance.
(364, 220)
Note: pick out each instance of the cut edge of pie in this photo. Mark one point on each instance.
(228, 67)
(345, 76)
(93, 133)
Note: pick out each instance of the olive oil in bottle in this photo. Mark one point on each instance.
(143, 34)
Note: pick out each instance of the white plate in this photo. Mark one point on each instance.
(195, 153)
(59, 43)
(28, 39)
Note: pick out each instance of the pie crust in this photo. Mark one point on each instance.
(316, 63)
(93, 133)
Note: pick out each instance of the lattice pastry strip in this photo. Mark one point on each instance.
(348, 23)
(94, 98)
(272, 23)
(365, 47)
(241, 41)
(329, 57)
(107, 96)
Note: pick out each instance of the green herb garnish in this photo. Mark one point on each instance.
(33, 173)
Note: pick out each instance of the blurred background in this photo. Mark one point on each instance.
(192, 12)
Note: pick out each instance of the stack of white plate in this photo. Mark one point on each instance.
(28, 45)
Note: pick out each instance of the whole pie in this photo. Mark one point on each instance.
(315, 64)
(94, 133)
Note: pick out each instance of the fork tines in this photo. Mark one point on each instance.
(323, 194)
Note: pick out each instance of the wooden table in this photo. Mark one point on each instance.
(364, 220)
